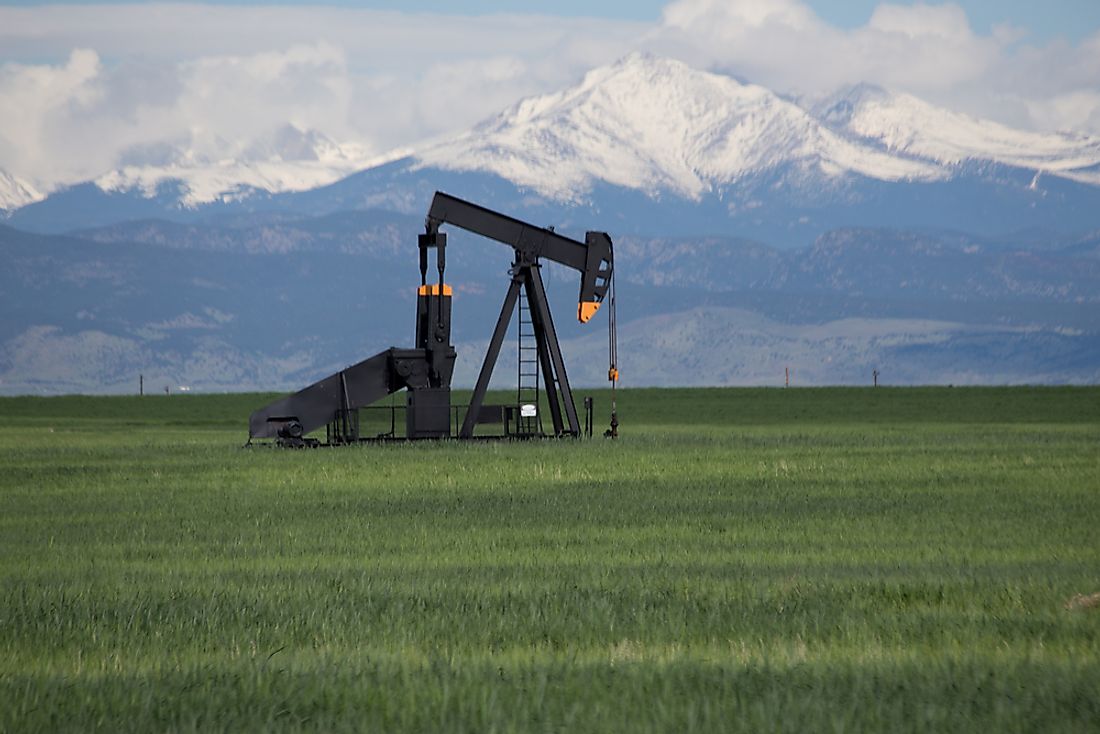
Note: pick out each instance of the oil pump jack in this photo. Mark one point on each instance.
(425, 370)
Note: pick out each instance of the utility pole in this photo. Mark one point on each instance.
(141, 385)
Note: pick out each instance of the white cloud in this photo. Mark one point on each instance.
(916, 48)
(729, 18)
(80, 118)
(40, 100)
(1077, 110)
(942, 22)
(928, 50)
(232, 98)
(200, 83)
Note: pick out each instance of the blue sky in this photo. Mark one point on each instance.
(1071, 19)
(101, 86)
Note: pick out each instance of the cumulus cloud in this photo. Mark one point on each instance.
(79, 118)
(186, 84)
(928, 50)
(39, 101)
(233, 97)
(195, 84)
(784, 44)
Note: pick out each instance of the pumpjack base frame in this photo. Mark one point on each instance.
(344, 430)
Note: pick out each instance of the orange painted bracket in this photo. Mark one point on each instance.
(586, 310)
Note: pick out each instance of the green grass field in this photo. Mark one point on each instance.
(740, 560)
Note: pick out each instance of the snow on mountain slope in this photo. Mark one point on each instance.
(905, 124)
(287, 160)
(228, 180)
(15, 192)
(657, 124)
(652, 126)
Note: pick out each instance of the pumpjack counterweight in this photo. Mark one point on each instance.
(425, 370)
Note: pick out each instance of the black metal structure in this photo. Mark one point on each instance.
(425, 370)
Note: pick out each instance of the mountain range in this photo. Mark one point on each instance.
(717, 154)
(754, 232)
(277, 304)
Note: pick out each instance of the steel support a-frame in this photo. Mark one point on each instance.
(526, 276)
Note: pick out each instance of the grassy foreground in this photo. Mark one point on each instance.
(740, 560)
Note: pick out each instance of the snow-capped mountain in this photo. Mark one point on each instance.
(904, 124)
(15, 192)
(716, 155)
(658, 125)
(288, 159)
